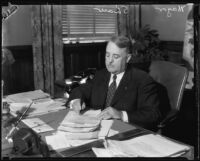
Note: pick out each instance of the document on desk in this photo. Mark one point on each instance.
(37, 125)
(62, 140)
(37, 108)
(28, 97)
(100, 133)
(110, 152)
(75, 120)
(58, 141)
(85, 126)
(149, 145)
(66, 137)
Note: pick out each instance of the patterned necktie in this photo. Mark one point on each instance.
(111, 91)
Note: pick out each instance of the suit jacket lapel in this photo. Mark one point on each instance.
(103, 88)
(121, 88)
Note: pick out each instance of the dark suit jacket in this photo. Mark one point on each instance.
(136, 94)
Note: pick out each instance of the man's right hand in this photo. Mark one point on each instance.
(76, 105)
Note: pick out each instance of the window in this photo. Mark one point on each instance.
(88, 23)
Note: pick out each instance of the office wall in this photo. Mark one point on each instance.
(16, 36)
(16, 30)
(169, 20)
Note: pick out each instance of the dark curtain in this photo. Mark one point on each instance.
(130, 21)
(122, 20)
(47, 46)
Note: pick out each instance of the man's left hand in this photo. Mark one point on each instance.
(110, 113)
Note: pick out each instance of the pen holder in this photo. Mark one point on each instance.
(5, 110)
(11, 132)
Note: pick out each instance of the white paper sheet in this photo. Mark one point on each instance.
(109, 152)
(37, 125)
(105, 128)
(148, 146)
(101, 152)
(92, 113)
(77, 129)
(59, 141)
(112, 132)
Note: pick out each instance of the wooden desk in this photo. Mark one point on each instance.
(54, 118)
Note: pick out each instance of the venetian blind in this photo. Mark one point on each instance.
(86, 23)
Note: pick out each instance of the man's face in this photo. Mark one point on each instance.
(116, 58)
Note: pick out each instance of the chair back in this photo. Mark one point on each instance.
(173, 77)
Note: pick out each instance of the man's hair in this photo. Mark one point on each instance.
(122, 42)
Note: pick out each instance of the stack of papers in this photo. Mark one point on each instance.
(37, 108)
(86, 126)
(149, 145)
(28, 97)
(65, 138)
(100, 133)
(61, 140)
(76, 123)
(42, 103)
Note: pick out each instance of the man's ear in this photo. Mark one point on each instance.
(128, 58)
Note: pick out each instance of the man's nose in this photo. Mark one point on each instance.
(110, 59)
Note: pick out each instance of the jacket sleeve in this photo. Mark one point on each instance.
(83, 92)
(147, 114)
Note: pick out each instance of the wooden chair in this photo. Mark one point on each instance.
(173, 77)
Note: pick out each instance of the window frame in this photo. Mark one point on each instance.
(69, 37)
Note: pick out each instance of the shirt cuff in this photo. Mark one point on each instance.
(124, 116)
(71, 103)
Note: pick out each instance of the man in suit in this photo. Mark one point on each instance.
(121, 91)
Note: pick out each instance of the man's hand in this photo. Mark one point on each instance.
(110, 113)
(76, 105)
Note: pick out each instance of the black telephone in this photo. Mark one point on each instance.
(79, 78)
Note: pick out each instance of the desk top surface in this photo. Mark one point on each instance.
(54, 119)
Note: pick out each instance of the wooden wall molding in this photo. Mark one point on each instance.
(18, 77)
(21, 51)
(172, 45)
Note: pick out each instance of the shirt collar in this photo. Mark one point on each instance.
(119, 77)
